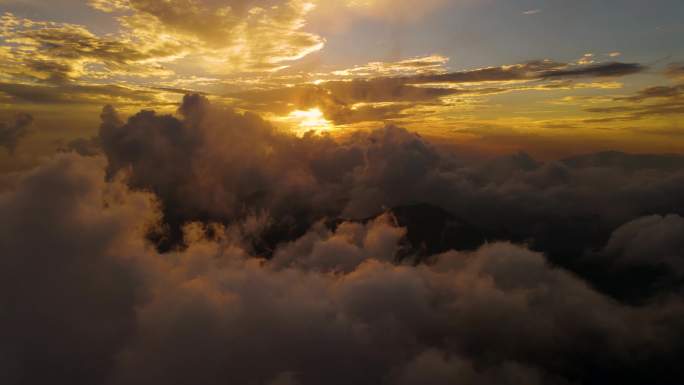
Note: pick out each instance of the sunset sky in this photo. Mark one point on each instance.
(341, 192)
(552, 78)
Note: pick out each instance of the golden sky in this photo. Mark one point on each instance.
(487, 76)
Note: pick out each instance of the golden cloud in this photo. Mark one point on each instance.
(229, 37)
(59, 52)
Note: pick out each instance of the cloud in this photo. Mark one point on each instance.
(232, 35)
(648, 102)
(417, 65)
(647, 252)
(83, 147)
(89, 302)
(385, 91)
(173, 158)
(540, 69)
(598, 70)
(58, 52)
(12, 132)
(586, 59)
(653, 240)
(158, 41)
(630, 113)
(210, 246)
(673, 92)
(675, 71)
(212, 164)
(81, 94)
(68, 292)
(532, 12)
(345, 248)
(627, 162)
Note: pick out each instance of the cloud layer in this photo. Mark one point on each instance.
(89, 302)
(214, 164)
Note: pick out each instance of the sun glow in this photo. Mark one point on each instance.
(310, 120)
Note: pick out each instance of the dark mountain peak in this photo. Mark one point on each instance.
(432, 230)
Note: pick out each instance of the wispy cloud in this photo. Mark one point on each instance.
(532, 12)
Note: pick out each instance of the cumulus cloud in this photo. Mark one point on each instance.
(67, 290)
(260, 168)
(345, 248)
(216, 164)
(212, 164)
(12, 132)
(87, 301)
(83, 146)
(653, 240)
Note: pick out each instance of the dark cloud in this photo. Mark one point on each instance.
(315, 260)
(12, 132)
(540, 69)
(657, 92)
(641, 259)
(221, 165)
(86, 301)
(597, 70)
(653, 240)
(83, 146)
(648, 102)
(627, 162)
(476, 316)
(258, 167)
(524, 71)
(214, 164)
(67, 293)
(75, 94)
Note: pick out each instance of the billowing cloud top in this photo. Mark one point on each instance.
(211, 247)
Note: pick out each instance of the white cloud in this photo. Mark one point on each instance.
(532, 12)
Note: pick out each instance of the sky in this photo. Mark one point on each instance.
(366, 192)
(561, 78)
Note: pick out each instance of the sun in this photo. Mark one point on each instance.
(309, 120)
